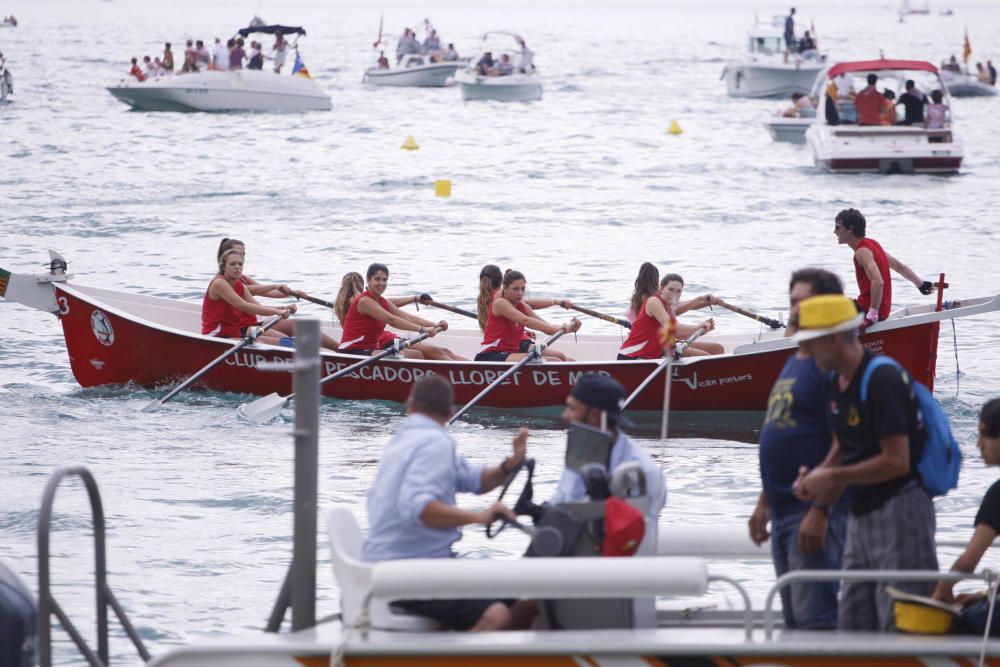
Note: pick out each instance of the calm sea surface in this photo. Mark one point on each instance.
(576, 191)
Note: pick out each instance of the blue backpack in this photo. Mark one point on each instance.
(942, 460)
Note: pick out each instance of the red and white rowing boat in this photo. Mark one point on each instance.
(115, 338)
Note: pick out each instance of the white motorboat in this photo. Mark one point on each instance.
(484, 82)
(415, 70)
(843, 146)
(765, 71)
(233, 90)
(964, 84)
(790, 130)
(6, 81)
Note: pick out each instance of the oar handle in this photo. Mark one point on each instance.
(398, 345)
(426, 300)
(774, 324)
(672, 356)
(248, 340)
(317, 301)
(620, 321)
(534, 353)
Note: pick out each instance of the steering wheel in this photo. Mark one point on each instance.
(523, 504)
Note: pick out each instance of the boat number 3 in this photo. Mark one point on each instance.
(102, 329)
(63, 305)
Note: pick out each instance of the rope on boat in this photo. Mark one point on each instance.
(994, 581)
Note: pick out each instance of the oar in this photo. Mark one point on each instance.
(268, 407)
(252, 338)
(534, 353)
(620, 321)
(774, 324)
(426, 300)
(318, 302)
(671, 356)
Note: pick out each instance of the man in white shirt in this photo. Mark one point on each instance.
(527, 63)
(220, 56)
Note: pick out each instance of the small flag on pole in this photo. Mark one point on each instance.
(299, 69)
(4, 279)
(966, 48)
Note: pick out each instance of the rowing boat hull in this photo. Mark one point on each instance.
(109, 346)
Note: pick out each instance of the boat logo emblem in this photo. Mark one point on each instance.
(102, 329)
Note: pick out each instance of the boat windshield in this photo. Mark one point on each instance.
(847, 85)
(767, 45)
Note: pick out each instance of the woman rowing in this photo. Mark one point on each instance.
(227, 300)
(272, 291)
(673, 286)
(369, 312)
(490, 279)
(654, 314)
(508, 316)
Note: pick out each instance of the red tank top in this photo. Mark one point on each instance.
(501, 334)
(247, 319)
(362, 332)
(218, 318)
(643, 340)
(865, 285)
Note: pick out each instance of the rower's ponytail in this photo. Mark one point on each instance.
(647, 283)
(351, 285)
(229, 244)
(489, 282)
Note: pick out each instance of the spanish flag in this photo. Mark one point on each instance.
(966, 48)
(299, 69)
(4, 279)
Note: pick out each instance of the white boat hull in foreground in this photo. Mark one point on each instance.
(966, 85)
(236, 90)
(789, 130)
(760, 79)
(435, 75)
(512, 88)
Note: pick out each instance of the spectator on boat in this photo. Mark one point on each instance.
(508, 316)
(236, 54)
(877, 444)
(807, 44)
(279, 52)
(168, 58)
(407, 44)
(804, 536)
(136, 71)
(982, 74)
(802, 107)
(148, 68)
(490, 282)
(672, 289)
(485, 64)
(871, 267)
(504, 68)
(271, 291)
(383, 62)
(987, 526)
(789, 33)
(158, 66)
(952, 65)
(411, 503)
(255, 58)
(220, 55)
(526, 61)
(889, 111)
(227, 299)
(190, 55)
(993, 72)
(432, 43)
(870, 103)
(937, 112)
(913, 101)
(370, 312)
(202, 58)
(450, 54)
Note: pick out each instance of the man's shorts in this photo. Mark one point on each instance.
(453, 614)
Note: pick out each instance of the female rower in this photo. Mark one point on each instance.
(227, 299)
(368, 314)
(272, 291)
(353, 284)
(672, 286)
(646, 285)
(503, 335)
(490, 279)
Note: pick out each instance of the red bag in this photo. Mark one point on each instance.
(624, 528)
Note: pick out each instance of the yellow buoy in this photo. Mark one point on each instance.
(410, 144)
(442, 188)
(674, 128)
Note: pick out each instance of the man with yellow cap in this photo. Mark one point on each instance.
(877, 444)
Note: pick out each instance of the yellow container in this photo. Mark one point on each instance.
(921, 615)
(442, 188)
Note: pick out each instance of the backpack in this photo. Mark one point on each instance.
(941, 460)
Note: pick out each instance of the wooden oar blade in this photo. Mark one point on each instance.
(263, 409)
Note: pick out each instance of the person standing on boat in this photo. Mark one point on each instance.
(504, 336)
(913, 101)
(279, 51)
(168, 58)
(871, 267)
(255, 59)
(490, 282)
(869, 103)
(432, 43)
(369, 314)
(450, 54)
(227, 298)
(789, 33)
(526, 62)
(202, 58)
(411, 504)
(220, 55)
(877, 444)
(804, 536)
(237, 55)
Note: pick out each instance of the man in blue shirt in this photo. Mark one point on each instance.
(804, 536)
(411, 505)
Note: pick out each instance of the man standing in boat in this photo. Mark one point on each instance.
(871, 267)
(411, 505)
(804, 536)
(790, 33)
(877, 444)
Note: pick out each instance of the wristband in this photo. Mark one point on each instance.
(872, 315)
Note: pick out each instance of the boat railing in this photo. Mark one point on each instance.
(47, 605)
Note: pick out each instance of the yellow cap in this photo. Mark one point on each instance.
(825, 315)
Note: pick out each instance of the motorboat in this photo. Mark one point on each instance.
(788, 129)
(766, 71)
(414, 70)
(8, 22)
(838, 144)
(233, 90)
(480, 81)
(966, 84)
(6, 81)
